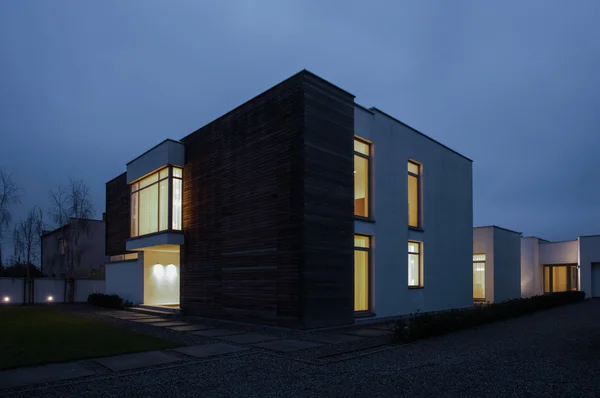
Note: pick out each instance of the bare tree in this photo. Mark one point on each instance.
(9, 197)
(27, 236)
(73, 206)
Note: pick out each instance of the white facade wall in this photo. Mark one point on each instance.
(447, 207)
(48, 287)
(161, 278)
(589, 253)
(44, 288)
(126, 279)
(559, 252)
(483, 243)
(532, 277)
(85, 287)
(507, 268)
(11, 288)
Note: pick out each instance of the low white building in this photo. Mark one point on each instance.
(560, 266)
(496, 264)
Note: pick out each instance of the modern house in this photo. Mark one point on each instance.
(560, 266)
(496, 264)
(299, 208)
(75, 250)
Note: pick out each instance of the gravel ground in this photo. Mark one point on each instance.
(551, 353)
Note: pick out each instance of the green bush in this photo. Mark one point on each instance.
(107, 300)
(421, 326)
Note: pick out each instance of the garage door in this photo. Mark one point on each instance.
(595, 279)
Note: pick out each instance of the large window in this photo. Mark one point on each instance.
(560, 278)
(479, 277)
(362, 247)
(414, 186)
(415, 265)
(153, 209)
(362, 153)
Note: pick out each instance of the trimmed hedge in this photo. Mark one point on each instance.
(107, 300)
(421, 326)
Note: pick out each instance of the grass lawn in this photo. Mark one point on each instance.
(37, 335)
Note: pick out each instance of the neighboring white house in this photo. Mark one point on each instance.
(496, 264)
(560, 266)
(397, 167)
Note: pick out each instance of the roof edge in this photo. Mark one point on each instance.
(374, 109)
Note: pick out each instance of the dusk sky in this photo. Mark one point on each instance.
(87, 86)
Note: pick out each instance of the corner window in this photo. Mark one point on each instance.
(414, 186)
(362, 247)
(479, 277)
(362, 158)
(153, 208)
(415, 268)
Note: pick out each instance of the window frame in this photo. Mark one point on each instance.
(419, 226)
(134, 188)
(419, 254)
(550, 268)
(368, 311)
(369, 158)
(484, 261)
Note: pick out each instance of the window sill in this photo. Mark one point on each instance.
(416, 229)
(364, 314)
(365, 219)
(416, 287)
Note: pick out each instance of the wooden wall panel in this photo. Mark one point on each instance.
(117, 215)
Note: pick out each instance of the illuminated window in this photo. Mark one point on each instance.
(362, 153)
(362, 247)
(152, 205)
(415, 271)
(560, 278)
(123, 257)
(479, 277)
(414, 211)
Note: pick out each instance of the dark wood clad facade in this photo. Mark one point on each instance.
(117, 215)
(268, 209)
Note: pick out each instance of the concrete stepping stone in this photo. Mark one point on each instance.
(42, 374)
(167, 323)
(136, 361)
(150, 320)
(287, 345)
(216, 332)
(190, 328)
(209, 350)
(368, 332)
(332, 338)
(248, 338)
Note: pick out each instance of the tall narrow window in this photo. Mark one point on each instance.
(177, 194)
(415, 275)
(362, 153)
(414, 211)
(362, 245)
(479, 277)
(153, 204)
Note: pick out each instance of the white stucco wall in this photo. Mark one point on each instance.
(126, 278)
(44, 288)
(559, 252)
(589, 252)
(167, 152)
(83, 288)
(507, 265)
(11, 288)
(447, 219)
(532, 282)
(483, 243)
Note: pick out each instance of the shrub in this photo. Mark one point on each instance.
(421, 326)
(107, 300)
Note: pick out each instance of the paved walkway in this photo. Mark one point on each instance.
(217, 342)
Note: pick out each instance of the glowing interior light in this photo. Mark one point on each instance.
(171, 272)
(50, 298)
(158, 271)
(6, 299)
